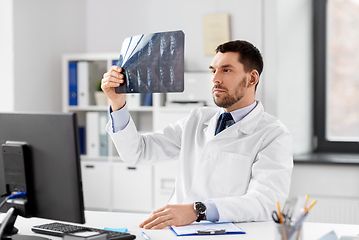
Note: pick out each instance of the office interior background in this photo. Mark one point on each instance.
(35, 34)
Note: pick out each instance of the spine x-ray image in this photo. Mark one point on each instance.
(153, 63)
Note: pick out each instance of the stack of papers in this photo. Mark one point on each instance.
(207, 228)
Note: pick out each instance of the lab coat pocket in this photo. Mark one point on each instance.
(230, 173)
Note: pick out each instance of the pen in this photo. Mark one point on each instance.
(145, 236)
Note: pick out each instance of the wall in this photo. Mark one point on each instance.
(109, 22)
(41, 36)
(34, 35)
(294, 82)
(334, 186)
(6, 56)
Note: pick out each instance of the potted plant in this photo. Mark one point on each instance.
(100, 96)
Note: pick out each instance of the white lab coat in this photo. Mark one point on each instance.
(245, 170)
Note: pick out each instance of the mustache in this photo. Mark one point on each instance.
(217, 86)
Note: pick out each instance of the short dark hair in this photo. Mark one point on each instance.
(249, 55)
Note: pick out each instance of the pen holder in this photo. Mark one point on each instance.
(288, 232)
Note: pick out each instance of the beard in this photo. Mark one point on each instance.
(229, 100)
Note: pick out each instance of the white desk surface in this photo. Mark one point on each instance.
(254, 230)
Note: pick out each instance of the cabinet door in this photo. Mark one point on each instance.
(96, 185)
(164, 177)
(133, 188)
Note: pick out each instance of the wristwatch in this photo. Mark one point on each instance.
(200, 209)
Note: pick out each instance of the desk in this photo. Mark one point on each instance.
(254, 230)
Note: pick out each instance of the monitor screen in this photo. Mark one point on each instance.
(51, 159)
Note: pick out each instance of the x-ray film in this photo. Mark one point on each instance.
(153, 63)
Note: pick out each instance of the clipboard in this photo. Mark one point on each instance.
(207, 229)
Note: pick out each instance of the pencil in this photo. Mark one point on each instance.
(280, 214)
(311, 205)
(306, 202)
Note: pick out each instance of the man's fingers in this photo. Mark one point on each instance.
(178, 215)
(165, 219)
(112, 78)
(116, 68)
(156, 216)
(163, 224)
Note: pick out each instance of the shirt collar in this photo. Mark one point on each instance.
(239, 114)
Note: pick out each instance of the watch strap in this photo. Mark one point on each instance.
(201, 217)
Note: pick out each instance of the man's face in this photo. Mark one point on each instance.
(229, 80)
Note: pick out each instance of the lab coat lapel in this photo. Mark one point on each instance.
(249, 123)
(210, 127)
(232, 131)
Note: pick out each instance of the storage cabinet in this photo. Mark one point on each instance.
(109, 183)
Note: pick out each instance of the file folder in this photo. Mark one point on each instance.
(103, 134)
(73, 83)
(92, 134)
(83, 83)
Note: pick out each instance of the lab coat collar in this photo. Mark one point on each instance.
(247, 125)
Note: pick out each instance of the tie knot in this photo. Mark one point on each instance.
(226, 116)
(222, 122)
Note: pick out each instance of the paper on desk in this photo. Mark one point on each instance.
(192, 229)
(329, 236)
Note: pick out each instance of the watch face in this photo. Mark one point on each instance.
(200, 207)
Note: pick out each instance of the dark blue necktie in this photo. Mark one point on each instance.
(222, 122)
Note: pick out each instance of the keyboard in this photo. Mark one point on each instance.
(59, 229)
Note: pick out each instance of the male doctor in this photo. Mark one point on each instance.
(234, 162)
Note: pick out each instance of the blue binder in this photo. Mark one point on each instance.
(114, 62)
(82, 139)
(73, 83)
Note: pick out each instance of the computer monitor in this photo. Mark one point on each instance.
(40, 155)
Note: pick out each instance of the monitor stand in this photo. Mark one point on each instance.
(8, 230)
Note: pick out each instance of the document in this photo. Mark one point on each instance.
(207, 228)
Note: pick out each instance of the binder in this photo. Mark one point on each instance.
(72, 83)
(103, 134)
(114, 62)
(146, 99)
(83, 83)
(92, 134)
(207, 228)
(82, 138)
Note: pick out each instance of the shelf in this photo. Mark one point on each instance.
(101, 158)
(88, 108)
(94, 158)
(106, 108)
(141, 109)
(91, 56)
(177, 109)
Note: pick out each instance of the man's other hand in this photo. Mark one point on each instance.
(170, 215)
